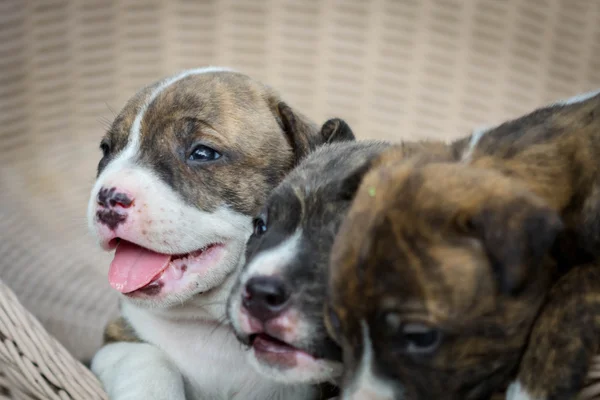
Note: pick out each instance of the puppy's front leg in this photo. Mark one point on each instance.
(564, 339)
(137, 371)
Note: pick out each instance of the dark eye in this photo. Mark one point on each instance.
(204, 153)
(260, 226)
(105, 147)
(412, 337)
(420, 338)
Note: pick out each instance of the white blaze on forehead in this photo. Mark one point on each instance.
(273, 260)
(366, 385)
(135, 131)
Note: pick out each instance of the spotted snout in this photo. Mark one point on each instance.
(113, 206)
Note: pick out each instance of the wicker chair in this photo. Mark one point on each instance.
(395, 69)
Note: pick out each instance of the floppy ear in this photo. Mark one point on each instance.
(516, 236)
(305, 136)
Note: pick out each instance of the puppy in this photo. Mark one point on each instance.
(186, 165)
(440, 270)
(276, 306)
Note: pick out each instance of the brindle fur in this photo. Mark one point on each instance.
(259, 137)
(565, 337)
(464, 246)
(417, 244)
(119, 330)
(555, 152)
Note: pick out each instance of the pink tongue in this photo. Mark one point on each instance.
(134, 267)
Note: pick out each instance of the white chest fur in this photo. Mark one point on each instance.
(213, 363)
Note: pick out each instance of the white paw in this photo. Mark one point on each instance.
(517, 392)
(137, 371)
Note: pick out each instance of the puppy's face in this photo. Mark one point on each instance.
(276, 306)
(185, 166)
(437, 274)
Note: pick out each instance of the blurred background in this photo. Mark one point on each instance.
(394, 69)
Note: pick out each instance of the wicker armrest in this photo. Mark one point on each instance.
(33, 365)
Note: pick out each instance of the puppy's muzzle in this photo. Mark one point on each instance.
(112, 206)
(265, 297)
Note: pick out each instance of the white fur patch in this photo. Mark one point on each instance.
(578, 98)
(165, 223)
(475, 138)
(137, 371)
(207, 354)
(367, 385)
(271, 261)
(516, 392)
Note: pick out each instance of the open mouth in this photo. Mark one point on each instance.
(265, 343)
(138, 269)
(274, 351)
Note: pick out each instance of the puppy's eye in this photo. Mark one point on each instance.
(204, 153)
(420, 338)
(260, 226)
(105, 147)
(411, 337)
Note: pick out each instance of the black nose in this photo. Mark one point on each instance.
(265, 297)
(110, 198)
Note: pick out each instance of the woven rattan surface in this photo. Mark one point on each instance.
(395, 69)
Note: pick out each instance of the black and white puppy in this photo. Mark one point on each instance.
(276, 305)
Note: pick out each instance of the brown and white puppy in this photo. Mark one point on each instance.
(440, 270)
(186, 165)
(276, 306)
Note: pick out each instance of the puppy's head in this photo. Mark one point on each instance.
(276, 306)
(185, 166)
(437, 274)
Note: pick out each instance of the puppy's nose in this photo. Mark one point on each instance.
(111, 198)
(265, 297)
(112, 207)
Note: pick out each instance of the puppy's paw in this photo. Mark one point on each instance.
(516, 392)
(137, 371)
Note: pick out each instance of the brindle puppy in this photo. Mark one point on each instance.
(441, 269)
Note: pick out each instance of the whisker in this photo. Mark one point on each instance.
(110, 109)
(219, 323)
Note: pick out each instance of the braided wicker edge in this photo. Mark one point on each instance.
(34, 365)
